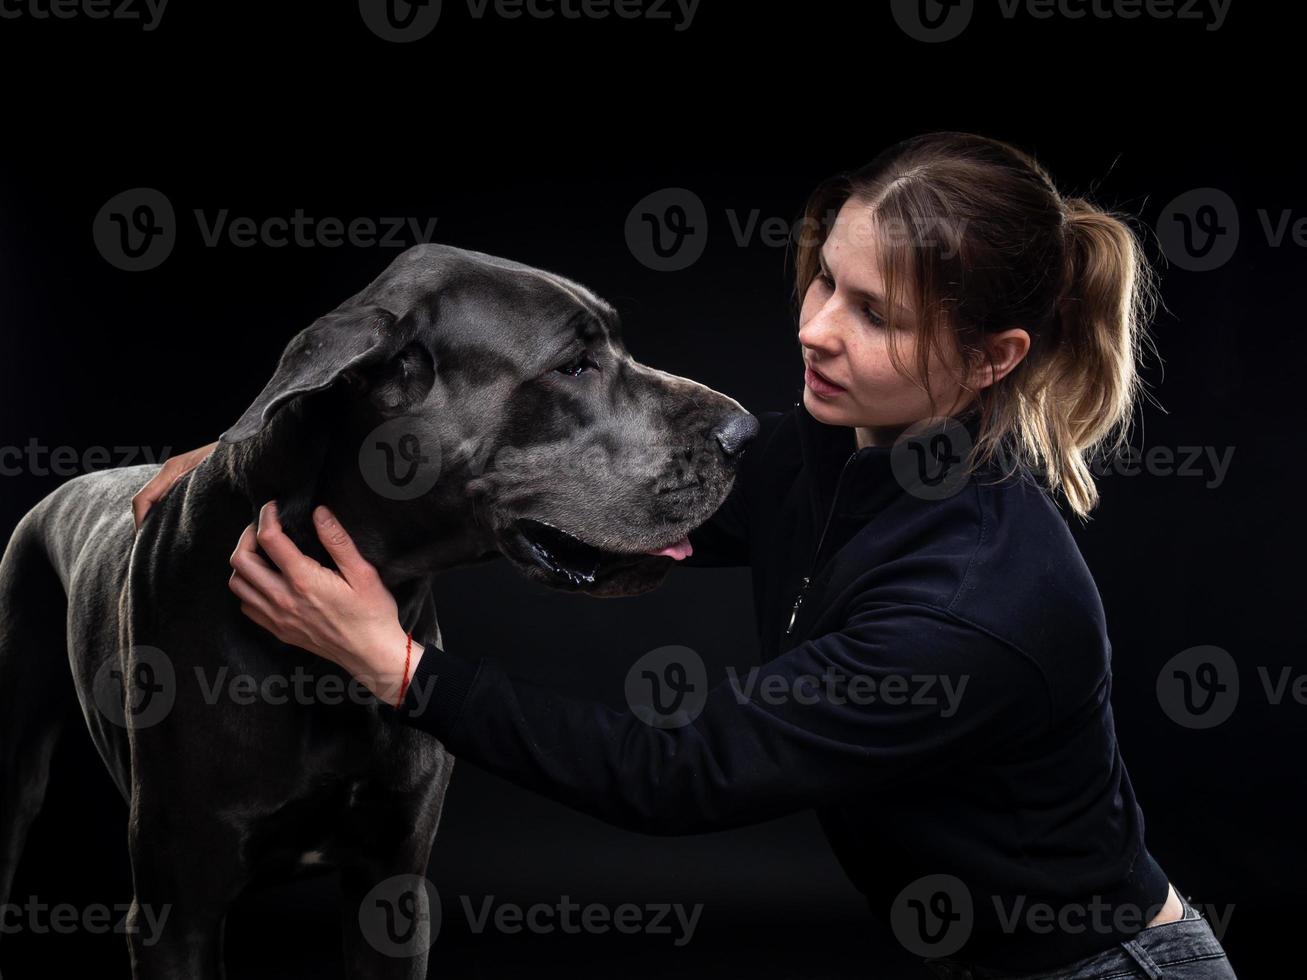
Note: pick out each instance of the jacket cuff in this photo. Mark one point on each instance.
(437, 691)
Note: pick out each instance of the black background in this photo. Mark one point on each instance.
(533, 139)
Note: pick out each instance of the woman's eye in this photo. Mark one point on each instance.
(875, 318)
(578, 365)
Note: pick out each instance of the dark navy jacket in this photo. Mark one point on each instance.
(963, 760)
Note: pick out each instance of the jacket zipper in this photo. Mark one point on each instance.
(803, 588)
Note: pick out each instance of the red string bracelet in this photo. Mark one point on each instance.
(408, 654)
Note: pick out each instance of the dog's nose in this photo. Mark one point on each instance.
(734, 434)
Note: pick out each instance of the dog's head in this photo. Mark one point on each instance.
(463, 405)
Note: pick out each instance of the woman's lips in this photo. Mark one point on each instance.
(819, 385)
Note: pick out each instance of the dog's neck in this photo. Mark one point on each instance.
(302, 464)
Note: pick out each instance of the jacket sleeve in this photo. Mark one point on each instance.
(723, 540)
(899, 690)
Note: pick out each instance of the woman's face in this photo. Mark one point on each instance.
(844, 337)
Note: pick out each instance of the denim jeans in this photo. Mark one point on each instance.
(1185, 949)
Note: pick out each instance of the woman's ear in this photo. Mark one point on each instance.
(1005, 351)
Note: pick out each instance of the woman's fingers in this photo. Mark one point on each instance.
(294, 564)
(247, 549)
(158, 485)
(250, 566)
(173, 469)
(358, 571)
(252, 600)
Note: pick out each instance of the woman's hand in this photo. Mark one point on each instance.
(173, 469)
(349, 616)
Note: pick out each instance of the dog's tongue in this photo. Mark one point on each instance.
(681, 549)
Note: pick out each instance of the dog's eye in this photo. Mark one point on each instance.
(578, 365)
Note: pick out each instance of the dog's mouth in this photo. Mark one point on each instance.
(569, 561)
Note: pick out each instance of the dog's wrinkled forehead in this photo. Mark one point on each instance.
(485, 300)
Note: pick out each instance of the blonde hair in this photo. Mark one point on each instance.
(991, 244)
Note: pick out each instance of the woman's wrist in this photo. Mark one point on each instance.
(388, 664)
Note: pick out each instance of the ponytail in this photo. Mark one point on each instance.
(1080, 396)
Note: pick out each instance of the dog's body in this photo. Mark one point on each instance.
(239, 759)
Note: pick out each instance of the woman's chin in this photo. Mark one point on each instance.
(822, 409)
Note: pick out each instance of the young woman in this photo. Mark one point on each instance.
(936, 669)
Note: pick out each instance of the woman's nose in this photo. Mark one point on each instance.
(819, 334)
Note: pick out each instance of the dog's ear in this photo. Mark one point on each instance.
(343, 343)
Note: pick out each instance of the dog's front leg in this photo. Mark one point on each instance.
(390, 913)
(186, 872)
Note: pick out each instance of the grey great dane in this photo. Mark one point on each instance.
(459, 408)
